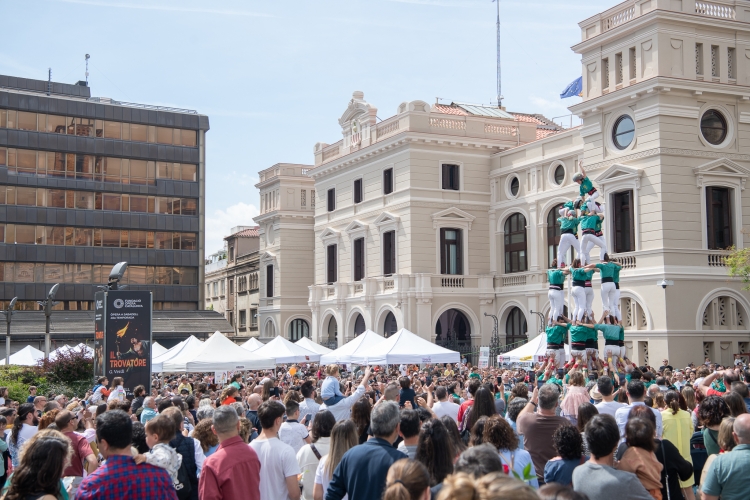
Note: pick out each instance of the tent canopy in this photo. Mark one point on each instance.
(157, 350)
(312, 346)
(534, 351)
(361, 344)
(28, 356)
(88, 351)
(252, 345)
(216, 354)
(191, 344)
(284, 351)
(406, 347)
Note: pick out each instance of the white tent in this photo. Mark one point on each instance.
(361, 344)
(406, 347)
(312, 346)
(252, 345)
(157, 350)
(88, 351)
(218, 353)
(284, 351)
(28, 356)
(534, 351)
(187, 346)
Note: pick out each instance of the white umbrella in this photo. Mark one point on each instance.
(312, 346)
(531, 352)
(157, 350)
(252, 345)
(191, 344)
(284, 351)
(361, 344)
(28, 356)
(218, 353)
(406, 347)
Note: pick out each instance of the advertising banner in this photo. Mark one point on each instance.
(127, 337)
(99, 301)
(484, 357)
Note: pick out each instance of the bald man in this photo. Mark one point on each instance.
(728, 476)
(254, 401)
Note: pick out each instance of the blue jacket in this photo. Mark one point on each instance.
(147, 414)
(362, 470)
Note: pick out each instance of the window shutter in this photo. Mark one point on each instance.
(269, 281)
(459, 252)
(358, 191)
(331, 264)
(388, 181)
(331, 200)
(442, 252)
(358, 259)
(446, 177)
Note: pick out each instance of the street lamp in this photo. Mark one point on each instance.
(541, 322)
(47, 304)
(495, 339)
(116, 274)
(8, 313)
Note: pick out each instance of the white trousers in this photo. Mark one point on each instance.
(567, 240)
(579, 298)
(590, 202)
(588, 241)
(559, 355)
(589, 300)
(609, 301)
(618, 314)
(556, 303)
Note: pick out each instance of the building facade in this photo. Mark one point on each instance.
(444, 215)
(86, 182)
(232, 281)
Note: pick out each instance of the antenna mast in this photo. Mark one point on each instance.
(87, 66)
(499, 80)
(49, 81)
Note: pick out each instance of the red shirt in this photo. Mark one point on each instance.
(228, 401)
(233, 471)
(462, 409)
(81, 450)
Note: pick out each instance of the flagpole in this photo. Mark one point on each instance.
(499, 80)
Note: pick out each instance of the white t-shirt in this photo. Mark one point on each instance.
(321, 477)
(442, 408)
(278, 462)
(293, 434)
(118, 393)
(609, 408)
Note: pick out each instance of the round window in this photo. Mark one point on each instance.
(714, 127)
(623, 132)
(559, 174)
(514, 186)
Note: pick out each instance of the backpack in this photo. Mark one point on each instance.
(182, 486)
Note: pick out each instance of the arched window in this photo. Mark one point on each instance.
(270, 329)
(298, 329)
(553, 233)
(389, 326)
(453, 330)
(515, 327)
(359, 325)
(724, 313)
(515, 244)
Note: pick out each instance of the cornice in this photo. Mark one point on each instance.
(666, 151)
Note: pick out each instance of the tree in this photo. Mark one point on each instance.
(738, 262)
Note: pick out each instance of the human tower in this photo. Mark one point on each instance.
(584, 214)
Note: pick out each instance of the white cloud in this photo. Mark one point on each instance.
(221, 222)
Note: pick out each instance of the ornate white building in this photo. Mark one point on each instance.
(445, 213)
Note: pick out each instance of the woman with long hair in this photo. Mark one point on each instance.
(575, 396)
(639, 458)
(361, 417)
(735, 403)
(450, 425)
(407, 480)
(484, 406)
(343, 438)
(265, 394)
(309, 456)
(116, 390)
(586, 412)
(499, 434)
(476, 436)
(37, 477)
(24, 427)
(678, 429)
(435, 450)
(228, 395)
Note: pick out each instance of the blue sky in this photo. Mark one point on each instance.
(275, 76)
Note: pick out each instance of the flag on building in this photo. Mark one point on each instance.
(575, 88)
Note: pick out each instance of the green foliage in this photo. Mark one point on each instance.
(739, 265)
(18, 379)
(69, 366)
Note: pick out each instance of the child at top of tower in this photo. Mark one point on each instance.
(586, 189)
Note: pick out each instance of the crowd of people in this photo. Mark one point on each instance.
(396, 433)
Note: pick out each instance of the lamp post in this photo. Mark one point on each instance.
(495, 339)
(47, 304)
(8, 315)
(541, 322)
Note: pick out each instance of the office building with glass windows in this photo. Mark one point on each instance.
(86, 182)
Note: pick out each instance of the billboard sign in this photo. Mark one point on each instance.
(127, 337)
(99, 301)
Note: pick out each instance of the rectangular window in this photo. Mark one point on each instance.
(450, 177)
(632, 63)
(358, 197)
(451, 251)
(718, 218)
(231, 287)
(605, 73)
(269, 281)
(222, 286)
(388, 181)
(253, 317)
(389, 253)
(624, 222)
(26, 121)
(243, 319)
(331, 264)
(715, 61)
(331, 199)
(618, 68)
(731, 62)
(359, 259)
(231, 318)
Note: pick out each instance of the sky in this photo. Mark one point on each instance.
(275, 76)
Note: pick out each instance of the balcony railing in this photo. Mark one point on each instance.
(717, 259)
(452, 282)
(626, 261)
(514, 280)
